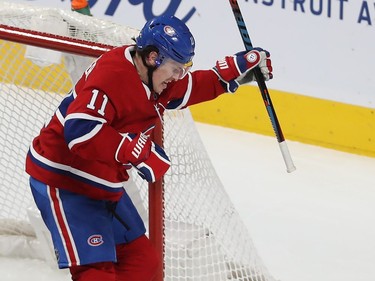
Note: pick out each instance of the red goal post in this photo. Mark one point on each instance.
(192, 222)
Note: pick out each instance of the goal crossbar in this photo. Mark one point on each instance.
(53, 41)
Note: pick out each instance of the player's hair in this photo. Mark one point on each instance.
(143, 53)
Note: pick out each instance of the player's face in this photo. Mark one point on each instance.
(169, 71)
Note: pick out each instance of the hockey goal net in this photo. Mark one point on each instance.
(203, 235)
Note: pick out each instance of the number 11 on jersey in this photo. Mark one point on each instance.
(91, 104)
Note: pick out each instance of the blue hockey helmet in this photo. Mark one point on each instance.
(170, 36)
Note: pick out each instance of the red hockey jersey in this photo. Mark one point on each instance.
(76, 149)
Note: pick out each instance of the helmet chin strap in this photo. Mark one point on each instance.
(150, 71)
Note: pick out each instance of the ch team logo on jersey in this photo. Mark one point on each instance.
(95, 240)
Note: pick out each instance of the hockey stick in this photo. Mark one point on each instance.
(263, 88)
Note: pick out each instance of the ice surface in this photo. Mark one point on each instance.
(316, 223)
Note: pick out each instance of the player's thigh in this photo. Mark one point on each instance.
(81, 228)
(137, 260)
(127, 223)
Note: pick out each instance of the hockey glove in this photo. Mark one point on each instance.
(233, 68)
(154, 167)
(146, 156)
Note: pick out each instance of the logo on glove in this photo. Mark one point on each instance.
(139, 145)
(252, 57)
(222, 64)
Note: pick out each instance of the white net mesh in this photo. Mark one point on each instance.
(205, 238)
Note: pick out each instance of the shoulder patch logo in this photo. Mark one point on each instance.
(95, 240)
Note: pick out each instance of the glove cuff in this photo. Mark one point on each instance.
(229, 86)
(155, 166)
(228, 68)
(121, 149)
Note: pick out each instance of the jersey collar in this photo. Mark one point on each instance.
(129, 58)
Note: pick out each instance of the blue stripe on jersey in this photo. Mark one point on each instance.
(75, 176)
(76, 128)
(174, 103)
(63, 107)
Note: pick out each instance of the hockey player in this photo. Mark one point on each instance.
(78, 164)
